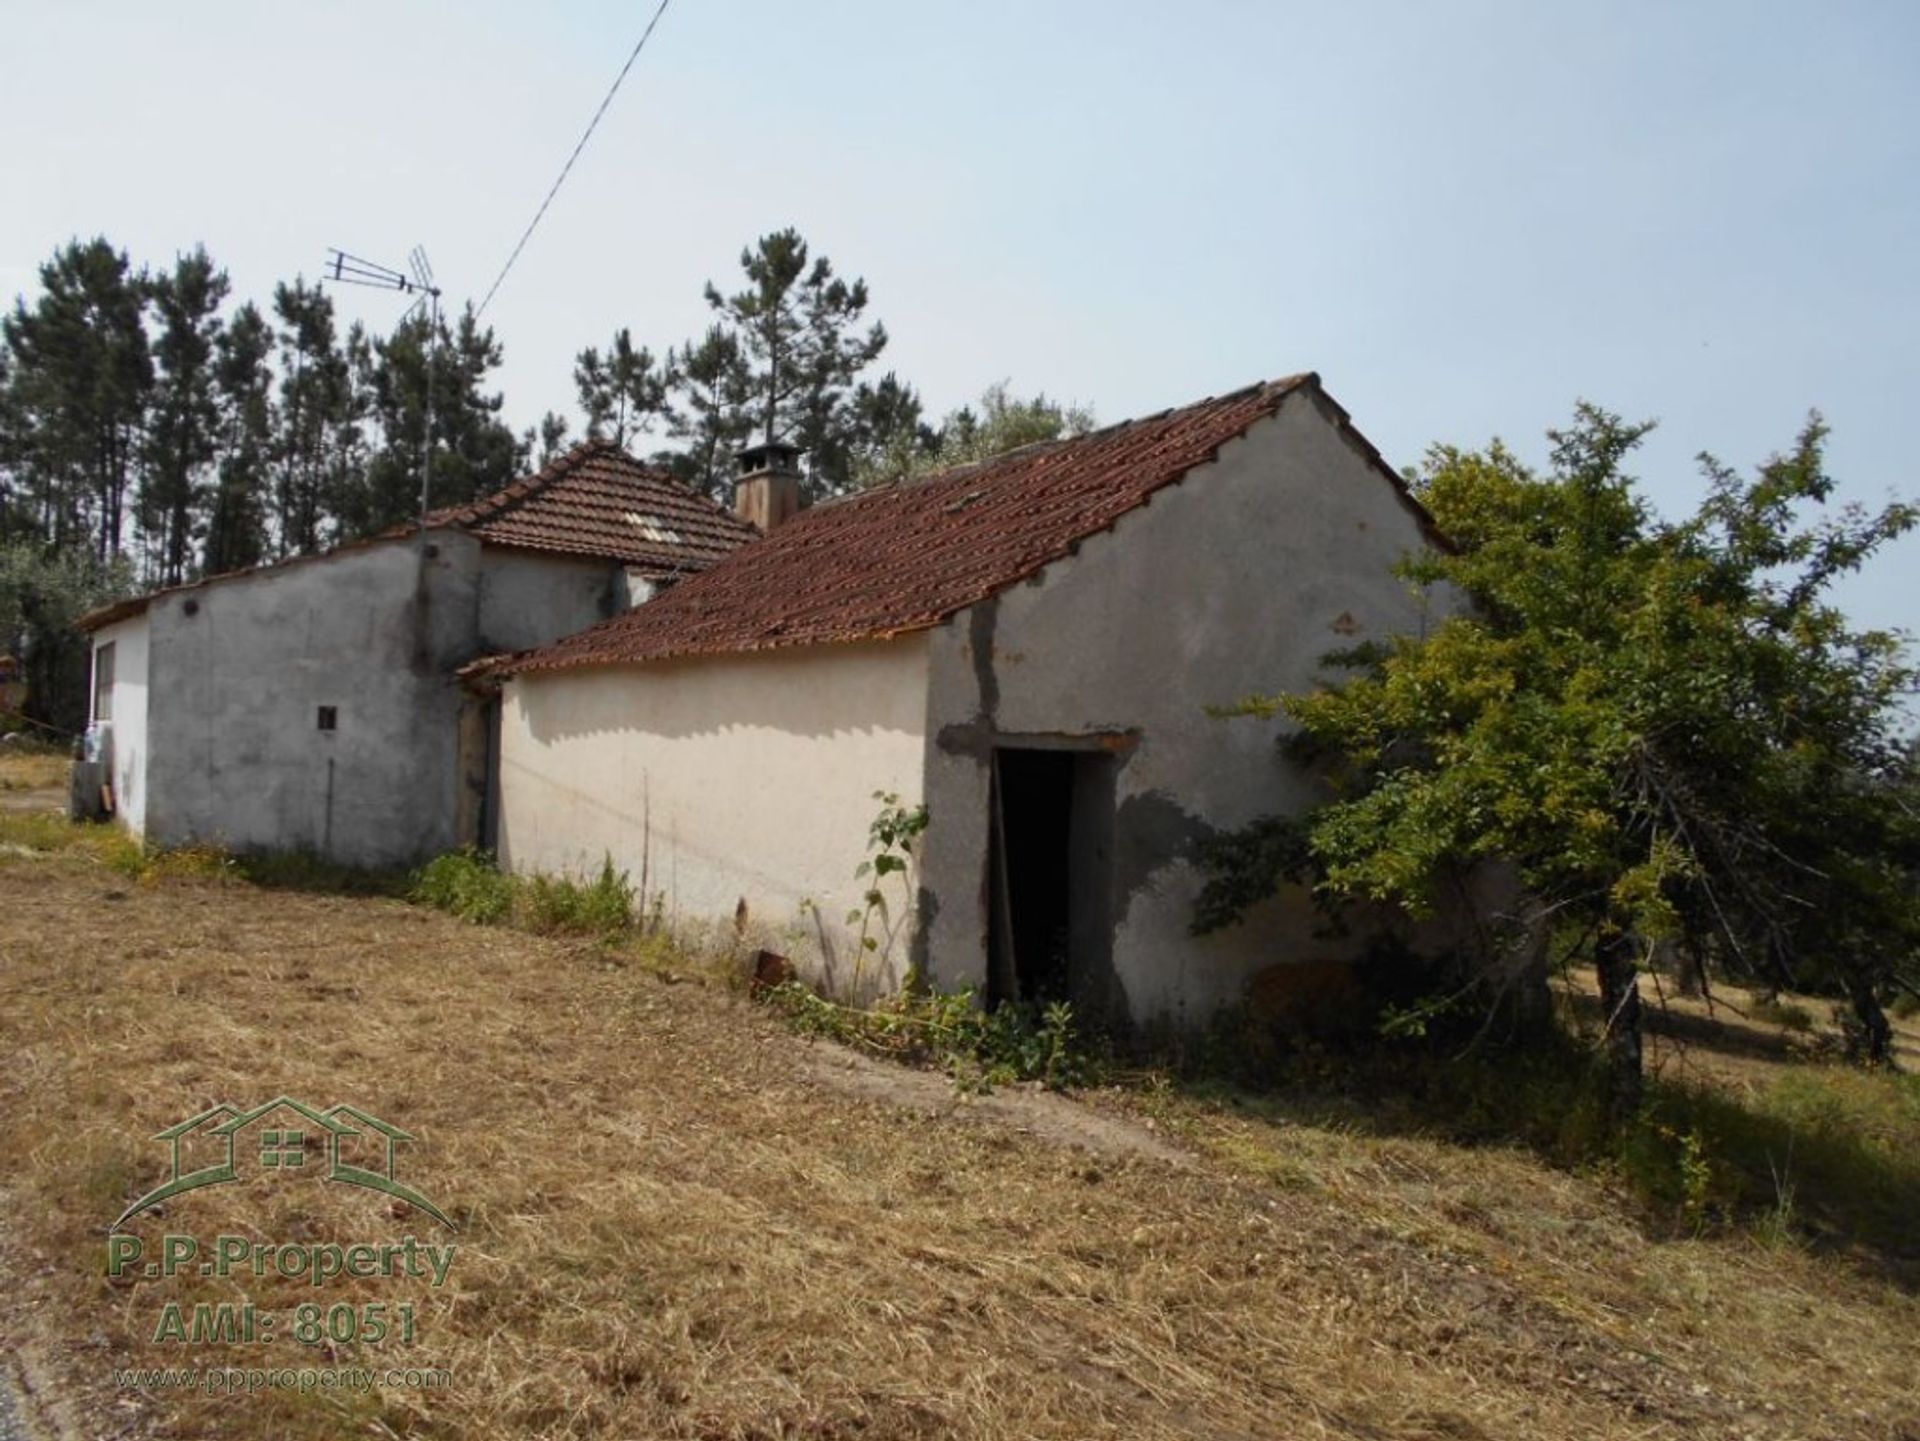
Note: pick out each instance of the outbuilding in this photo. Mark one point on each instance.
(1029, 648)
(314, 704)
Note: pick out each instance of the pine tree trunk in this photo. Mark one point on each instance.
(1870, 1038)
(1620, 1012)
(1690, 974)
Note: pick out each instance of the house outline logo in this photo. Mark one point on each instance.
(283, 1147)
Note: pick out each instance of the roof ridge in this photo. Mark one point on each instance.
(518, 492)
(906, 556)
(1280, 385)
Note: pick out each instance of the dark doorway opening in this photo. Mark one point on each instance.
(1050, 934)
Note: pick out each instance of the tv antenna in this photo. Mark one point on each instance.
(417, 281)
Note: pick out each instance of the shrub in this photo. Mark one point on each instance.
(599, 907)
(979, 1048)
(467, 884)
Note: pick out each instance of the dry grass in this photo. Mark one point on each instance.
(1735, 1037)
(27, 766)
(679, 1220)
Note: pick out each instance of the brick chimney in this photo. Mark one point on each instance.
(767, 490)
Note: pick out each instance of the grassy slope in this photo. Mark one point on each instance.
(679, 1219)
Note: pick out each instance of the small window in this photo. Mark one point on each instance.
(329, 718)
(103, 682)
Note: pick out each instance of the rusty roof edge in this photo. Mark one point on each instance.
(528, 662)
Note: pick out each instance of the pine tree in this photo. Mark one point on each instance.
(890, 438)
(622, 393)
(481, 453)
(474, 451)
(797, 325)
(315, 387)
(708, 412)
(16, 519)
(81, 375)
(549, 440)
(243, 381)
(183, 432)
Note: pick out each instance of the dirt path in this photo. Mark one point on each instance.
(1021, 1110)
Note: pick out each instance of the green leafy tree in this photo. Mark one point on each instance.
(243, 385)
(43, 591)
(798, 325)
(1668, 728)
(897, 445)
(1005, 422)
(183, 432)
(80, 377)
(623, 392)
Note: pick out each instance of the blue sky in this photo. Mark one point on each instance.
(1463, 216)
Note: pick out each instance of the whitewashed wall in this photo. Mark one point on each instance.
(126, 734)
(721, 780)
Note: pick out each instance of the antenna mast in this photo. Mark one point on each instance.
(345, 269)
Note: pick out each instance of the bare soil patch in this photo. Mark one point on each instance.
(1027, 1110)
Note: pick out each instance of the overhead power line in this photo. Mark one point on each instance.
(568, 167)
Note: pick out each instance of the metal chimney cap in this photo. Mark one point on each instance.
(769, 455)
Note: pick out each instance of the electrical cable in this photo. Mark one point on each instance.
(566, 169)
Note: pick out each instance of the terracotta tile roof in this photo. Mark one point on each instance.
(908, 556)
(596, 500)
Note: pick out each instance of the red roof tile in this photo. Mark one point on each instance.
(598, 501)
(908, 556)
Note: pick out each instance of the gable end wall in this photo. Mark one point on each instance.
(1234, 581)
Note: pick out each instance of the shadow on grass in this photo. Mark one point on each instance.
(304, 871)
(1724, 1032)
(1819, 1154)
(47, 833)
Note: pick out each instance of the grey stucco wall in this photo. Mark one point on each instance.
(528, 597)
(1234, 581)
(240, 668)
